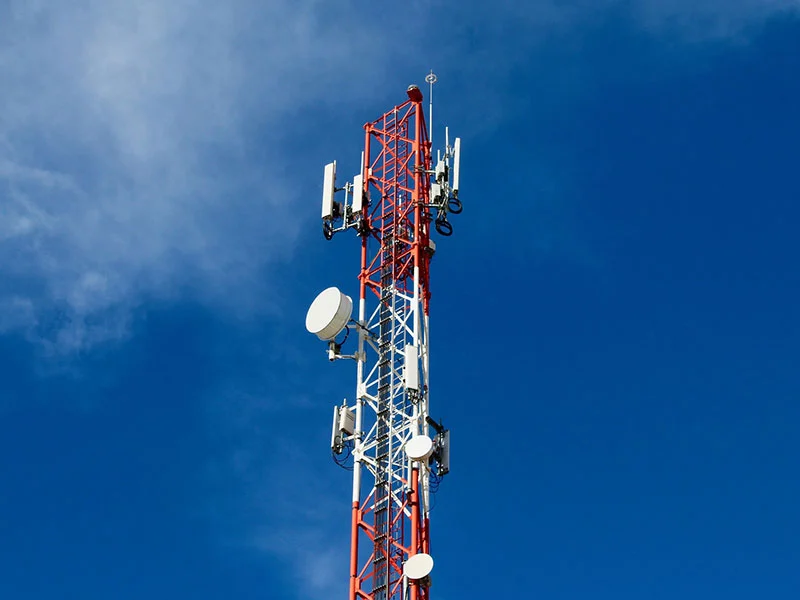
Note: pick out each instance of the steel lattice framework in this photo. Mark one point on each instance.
(392, 522)
(397, 198)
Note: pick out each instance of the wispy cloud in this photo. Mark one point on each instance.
(143, 155)
(142, 145)
(140, 149)
(278, 495)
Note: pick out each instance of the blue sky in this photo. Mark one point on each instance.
(615, 331)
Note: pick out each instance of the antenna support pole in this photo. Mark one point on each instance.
(431, 79)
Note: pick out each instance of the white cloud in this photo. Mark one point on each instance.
(142, 154)
(278, 495)
(140, 148)
(141, 142)
(317, 556)
(16, 311)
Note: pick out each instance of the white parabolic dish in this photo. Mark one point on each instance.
(418, 566)
(419, 447)
(329, 313)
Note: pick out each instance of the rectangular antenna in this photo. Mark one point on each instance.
(328, 188)
(336, 440)
(446, 139)
(347, 421)
(411, 367)
(436, 192)
(456, 165)
(358, 193)
(440, 171)
(444, 453)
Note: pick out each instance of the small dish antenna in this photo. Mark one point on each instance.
(329, 313)
(418, 566)
(419, 447)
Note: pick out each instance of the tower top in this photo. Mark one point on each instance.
(414, 93)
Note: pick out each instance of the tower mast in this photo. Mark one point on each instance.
(399, 452)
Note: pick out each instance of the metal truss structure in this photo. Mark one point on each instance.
(399, 452)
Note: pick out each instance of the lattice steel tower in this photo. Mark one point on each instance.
(399, 452)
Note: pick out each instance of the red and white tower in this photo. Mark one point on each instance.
(399, 452)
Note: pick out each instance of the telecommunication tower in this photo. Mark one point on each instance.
(399, 452)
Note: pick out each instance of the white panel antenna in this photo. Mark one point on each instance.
(344, 423)
(412, 367)
(441, 167)
(358, 193)
(328, 189)
(456, 165)
(436, 192)
(347, 421)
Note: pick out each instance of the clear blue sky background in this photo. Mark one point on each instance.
(615, 321)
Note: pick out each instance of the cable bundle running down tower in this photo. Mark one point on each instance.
(399, 452)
